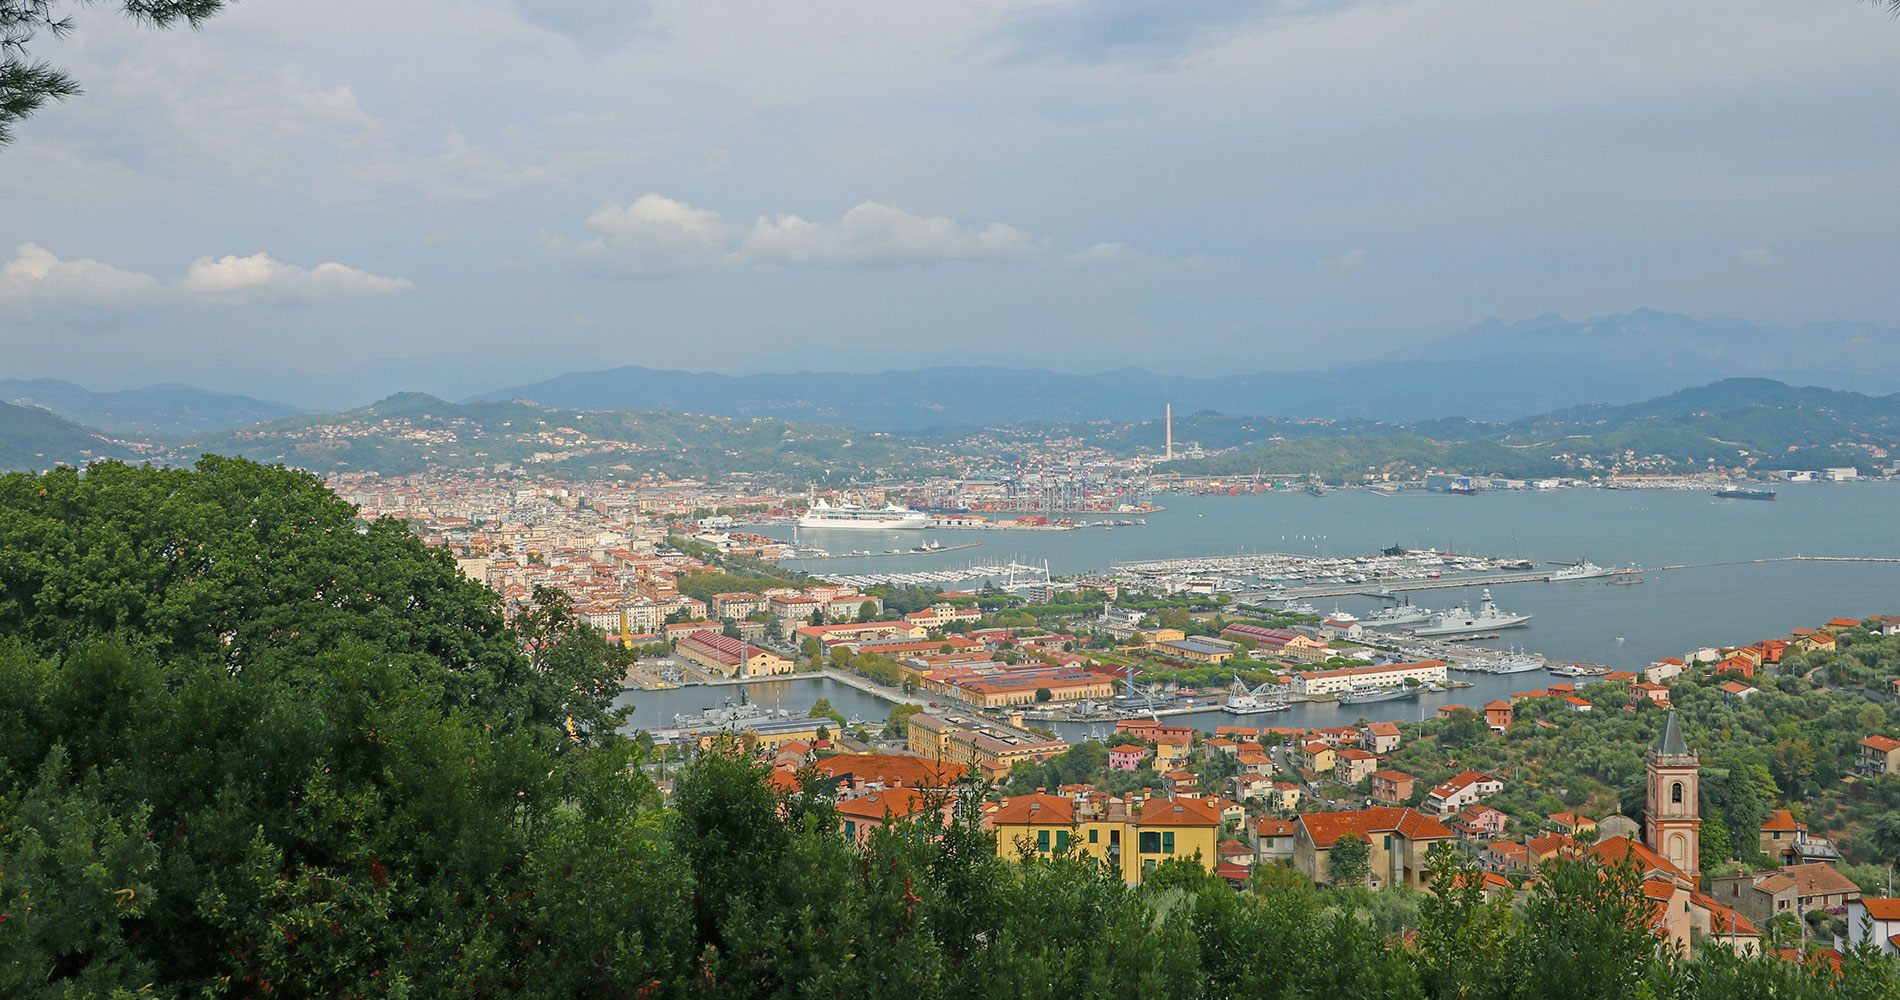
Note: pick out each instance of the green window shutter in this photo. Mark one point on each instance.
(1388, 841)
(851, 828)
(1151, 843)
(1167, 842)
(1042, 840)
(1092, 836)
(1062, 840)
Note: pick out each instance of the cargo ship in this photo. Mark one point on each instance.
(1744, 493)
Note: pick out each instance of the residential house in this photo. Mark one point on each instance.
(1800, 889)
(1391, 787)
(1127, 757)
(1874, 922)
(1504, 856)
(1879, 755)
(1644, 691)
(1498, 714)
(1171, 749)
(1575, 824)
(1734, 691)
(860, 816)
(1273, 839)
(1664, 669)
(1255, 762)
(1463, 789)
(1543, 847)
(1399, 840)
(1352, 765)
(1315, 758)
(1379, 737)
(1779, 832)
(1479, 822)
(1133, 839)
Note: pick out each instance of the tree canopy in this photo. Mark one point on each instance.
(27, 84)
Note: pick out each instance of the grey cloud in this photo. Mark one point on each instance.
(1091, 31)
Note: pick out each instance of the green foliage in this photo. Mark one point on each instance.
(394, 808)
(1349, 862)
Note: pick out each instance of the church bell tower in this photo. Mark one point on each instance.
(1672, 822)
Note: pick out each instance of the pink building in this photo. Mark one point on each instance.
(1127, 757)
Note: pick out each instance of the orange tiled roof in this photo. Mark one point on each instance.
(1325, 828)
(1040, 809)
(1179, 812)
(895, 802)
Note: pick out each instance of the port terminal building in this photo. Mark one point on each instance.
(1322, 682)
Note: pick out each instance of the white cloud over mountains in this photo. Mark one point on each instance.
(37, 276)
(871, 233)
(261, 276)
(656, 233)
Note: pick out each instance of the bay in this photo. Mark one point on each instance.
(1727, 599)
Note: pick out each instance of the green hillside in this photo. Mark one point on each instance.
(413, 433)
(32, 438)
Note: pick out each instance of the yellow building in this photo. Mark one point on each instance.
(1316, 758)
(1132, 842)
(974, 741)
(1171, 749)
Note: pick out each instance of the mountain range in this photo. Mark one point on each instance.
(169, 410)
(1493, 371)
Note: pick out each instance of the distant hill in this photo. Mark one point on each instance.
(1758, 423)
(1493, 371)
(981, 396)
(168, 410)
(32, 439)
(411, 433)
(1684, 350)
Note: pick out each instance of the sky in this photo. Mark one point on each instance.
(453, 196)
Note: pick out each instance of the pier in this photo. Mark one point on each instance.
(902, 552)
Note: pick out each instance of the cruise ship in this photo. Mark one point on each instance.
(1464, 621)
(1585, 570)
(824, 515)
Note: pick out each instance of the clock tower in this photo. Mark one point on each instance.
(1672, 822)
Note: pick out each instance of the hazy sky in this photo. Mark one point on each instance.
(513, 190)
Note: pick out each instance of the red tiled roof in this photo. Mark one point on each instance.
(1325, 828)
(1882, 909)
(1178, 812)
(896, 802)
(894, 769)
(1884, 744)
(1615, 849)
(1780, 819)
(1819, 879)
(1039, 809)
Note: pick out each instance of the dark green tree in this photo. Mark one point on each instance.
(1350, 861)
